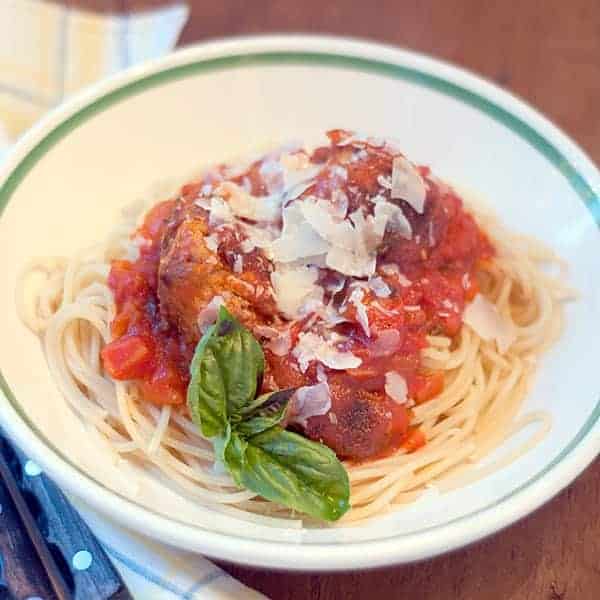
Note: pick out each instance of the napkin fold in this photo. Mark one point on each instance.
(158, 572)
(47, 52)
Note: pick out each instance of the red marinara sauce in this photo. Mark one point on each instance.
(433, 277)
(145, 347)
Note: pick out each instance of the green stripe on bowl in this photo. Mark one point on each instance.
(316, 59)
(490, 108)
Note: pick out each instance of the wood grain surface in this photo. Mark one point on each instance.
(547, 52)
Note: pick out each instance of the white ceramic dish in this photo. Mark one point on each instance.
(65, 182)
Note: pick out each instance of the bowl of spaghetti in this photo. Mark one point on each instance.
(302, 303)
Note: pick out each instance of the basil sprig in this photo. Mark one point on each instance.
(246, 431)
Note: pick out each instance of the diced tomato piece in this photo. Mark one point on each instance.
(128, 317)
(414, 440)
(129, 357)
(426, 387)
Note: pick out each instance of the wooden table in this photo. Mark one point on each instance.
(548, 52)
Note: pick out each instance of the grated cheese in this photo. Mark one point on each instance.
(356, 298)
(483, 317)
(294, 286)
(312, 347)
(380, 288)
(396, 387)
(310, 401)
(407, 184)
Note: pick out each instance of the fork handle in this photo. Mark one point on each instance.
(22, 574)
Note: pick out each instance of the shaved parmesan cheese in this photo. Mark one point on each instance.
(298, 238)
(208, 315)
(407, 184)
(220, 212)
(317, 213)
(352, 249)
(384, 182)
(272, 172)
(388, 214)
(348, 263)
(212, 242)
(246, 246)
(330, 317)
(317, 227)
(310, 401)
(281, 344)
(244, 205)
(238, 263)
(380, 288)
(203, 202)
(297, 189)
(256, 237)
(485, 320)
(395, 387)
(338, 206)
(311, 347)
(337, 285)
(356, 298)
(294, 286)
(321, 375)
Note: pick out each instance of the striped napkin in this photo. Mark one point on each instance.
(157, 572)
(47, 52)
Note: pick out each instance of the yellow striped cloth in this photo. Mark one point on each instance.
(49, 50)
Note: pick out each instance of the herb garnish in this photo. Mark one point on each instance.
(245, 429)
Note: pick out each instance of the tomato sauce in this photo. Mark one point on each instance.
(432, 276)
(145, 347)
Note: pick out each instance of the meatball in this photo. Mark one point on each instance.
(190, 275)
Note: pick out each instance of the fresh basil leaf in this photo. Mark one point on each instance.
(206, 391)
(220, 444)
(241, 360)
(271, 410)
(234, 457)
(279, 465)
(225, 371)
(286, 468)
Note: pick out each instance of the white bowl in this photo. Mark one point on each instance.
(66, 180)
